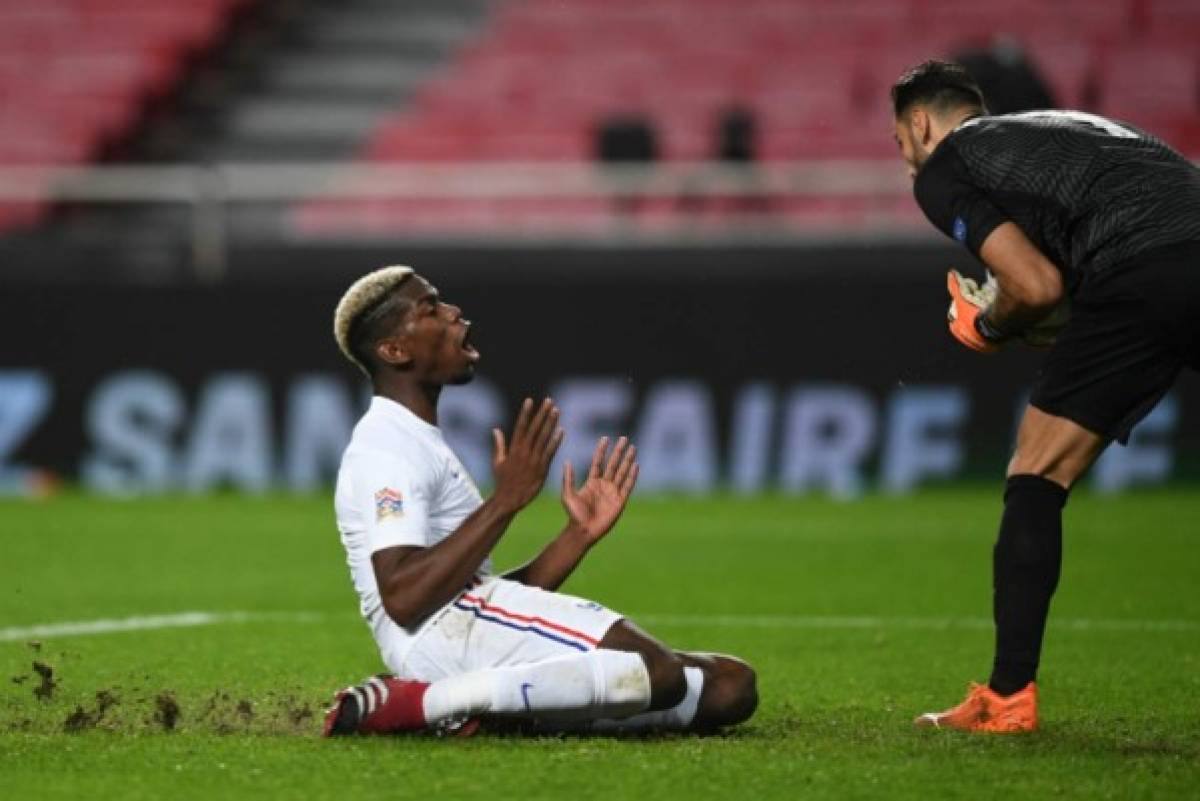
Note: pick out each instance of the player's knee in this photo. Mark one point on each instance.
(1061, 471)
(1053, 448)
(745, 695)
(735, 694)
(668, 684)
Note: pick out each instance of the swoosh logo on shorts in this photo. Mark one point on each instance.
(525, 688)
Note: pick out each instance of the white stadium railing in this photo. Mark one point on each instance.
(307, 181)
(211, 193)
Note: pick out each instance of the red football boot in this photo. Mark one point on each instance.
(382, 704)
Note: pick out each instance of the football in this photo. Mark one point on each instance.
(1043, 333)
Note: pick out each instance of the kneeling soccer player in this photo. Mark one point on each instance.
(462, 644)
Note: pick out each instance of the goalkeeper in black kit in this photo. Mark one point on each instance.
(1071, 212)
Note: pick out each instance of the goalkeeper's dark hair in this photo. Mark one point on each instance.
(943, 86)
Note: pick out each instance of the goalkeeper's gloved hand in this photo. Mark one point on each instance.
(968, 301)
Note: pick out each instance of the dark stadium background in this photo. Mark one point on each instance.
(188, 188)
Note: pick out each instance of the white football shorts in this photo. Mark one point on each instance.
(500, 622)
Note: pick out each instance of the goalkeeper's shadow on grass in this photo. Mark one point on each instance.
(1067, 737)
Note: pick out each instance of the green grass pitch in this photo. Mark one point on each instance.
(856, 615)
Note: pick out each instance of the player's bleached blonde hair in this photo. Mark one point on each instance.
(364, 295)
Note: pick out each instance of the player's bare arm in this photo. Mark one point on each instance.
(592, 511)
(415, 582)
(1029, 285)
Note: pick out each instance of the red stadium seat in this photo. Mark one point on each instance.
(816, 75)
(1151, 86)
(74, 73)
(1091, 18)
(1067, 66)
(1176, 21)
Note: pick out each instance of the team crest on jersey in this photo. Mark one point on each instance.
(388, 503)
(960, 229)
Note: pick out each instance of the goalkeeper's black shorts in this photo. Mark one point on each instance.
(1131, 332)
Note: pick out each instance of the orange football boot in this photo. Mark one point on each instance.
(984, 710)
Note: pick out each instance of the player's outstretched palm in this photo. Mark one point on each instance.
(595, 507)
(521, 464)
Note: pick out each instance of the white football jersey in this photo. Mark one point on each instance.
(399, 484)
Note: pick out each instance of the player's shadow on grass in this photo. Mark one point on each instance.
(1065, 738)
(1130, 746)
(497, 727)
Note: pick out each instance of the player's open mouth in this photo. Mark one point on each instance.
(466, 346)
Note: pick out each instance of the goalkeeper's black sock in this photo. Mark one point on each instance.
(1026, 563)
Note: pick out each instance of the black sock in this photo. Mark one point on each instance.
(1026, 563)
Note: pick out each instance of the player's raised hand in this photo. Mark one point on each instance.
(520, 465)
(594, 508)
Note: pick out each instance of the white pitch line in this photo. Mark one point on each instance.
(936, 623)
(78, 628)
(81, 628)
